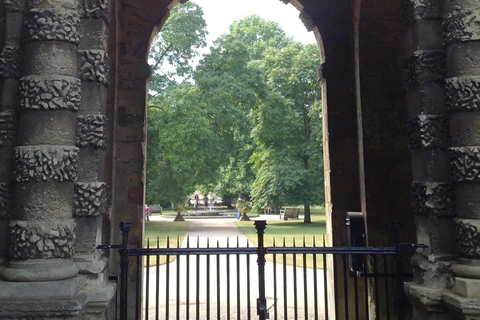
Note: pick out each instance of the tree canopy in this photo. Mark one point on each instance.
(246, 120)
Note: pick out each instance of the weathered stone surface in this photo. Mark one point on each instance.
(420, 9)
(45, 163)
(465, 163)
(463, 93)
(462, 25)
(425, 66)
(98, 9)
(89, 199)
(42, 24)
(467, 237)
(15, 5)
(8, 128)
(428, 131)
(49, 92)
(10, 62)
(94, 65)
(92, 131)
(6, 199)
(436, 199)
(41, 239)
(307, 21)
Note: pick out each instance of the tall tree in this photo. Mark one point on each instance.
(176, 125)
(289, 159)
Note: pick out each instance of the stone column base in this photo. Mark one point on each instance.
(427, 303)
(462, 308)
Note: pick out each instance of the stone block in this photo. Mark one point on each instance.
(88, 164)
(43, 201)
(47, 127)
(50, 58)
(467, 288)
(93, 34)
(94, 98)
(467, 197)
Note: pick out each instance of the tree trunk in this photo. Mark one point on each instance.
(306, 214)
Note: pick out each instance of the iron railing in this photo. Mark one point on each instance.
(215, 282)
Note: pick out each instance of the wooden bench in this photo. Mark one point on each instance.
(289, 213)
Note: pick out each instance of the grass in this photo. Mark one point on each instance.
(291, 233)
(156, 234)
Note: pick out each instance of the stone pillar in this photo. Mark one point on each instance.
(91, 139)
(10, 62)
(461, 22)
(41, 232)
(432, 191)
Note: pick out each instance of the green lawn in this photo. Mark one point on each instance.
(280, 232)
(156, 233)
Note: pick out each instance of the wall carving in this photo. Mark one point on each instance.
(467, 236)
(425, 66)
(15, 5)
(435, 199)
(465, 163)
(8, 128)
(10, 62)
(89, 199)
(94, 65)
(461, 25)
(41, 24)
(45, 163)
(6, 199)
(92, 131)
(429, 131)
(463, 93)
(41, 240)
(48, 92)
(420, 9)
(97, 9)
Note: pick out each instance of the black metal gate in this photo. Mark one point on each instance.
(216, 282)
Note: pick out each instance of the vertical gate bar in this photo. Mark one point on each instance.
(218, 283)
(147, 281)
(375, 284)
(197, 302)
(345, 285)
(394, 225)
(295, 298)
(335, 287)
(187, 282)
(385, 273)
(138, 289)
(208, 280)
(177, 288)
(325, 282)
(305, 289)
(249, 312)
(167, 282)
(260, 225)
(285, 309)
(275, 294)
(157, 283)
(315, 289)
(125, 227)
(355, 290)
(365, 285)
(238, 283)
(228, 280)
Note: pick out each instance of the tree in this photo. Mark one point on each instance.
(173, 117)
(289, 160)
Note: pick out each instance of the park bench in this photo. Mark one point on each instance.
(289, 213)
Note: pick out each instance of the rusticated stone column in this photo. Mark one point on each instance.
(461, 22)
(432, 191)
(41, 233)
(90, 200)
(10, 63)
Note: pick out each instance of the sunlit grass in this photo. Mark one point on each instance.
(291, 233)
(158, 232)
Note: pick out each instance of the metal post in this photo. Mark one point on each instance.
(394, 225)
(125, 227)
(260, 225)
